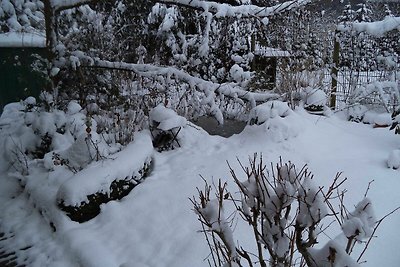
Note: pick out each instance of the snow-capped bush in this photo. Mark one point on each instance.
(239, 75)
(267, 111)
(377, 119)
(278, 120)
(383, 94)
(22, 15)
(286, 212)
(100, 182)
(356, 112)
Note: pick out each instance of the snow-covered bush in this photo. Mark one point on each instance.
(377, 119)
(384, 95)
(278, 120)
(286, 213)
(81, 195)
(356, 112)
(69, 137)
(21, 16)
(267, 111)
(297, 88)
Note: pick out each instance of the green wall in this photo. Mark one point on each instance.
(17, 79)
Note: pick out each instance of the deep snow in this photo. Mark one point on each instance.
(154, 225)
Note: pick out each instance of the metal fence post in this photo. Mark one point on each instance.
(334, 72)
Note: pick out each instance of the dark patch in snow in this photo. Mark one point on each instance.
(229, 128)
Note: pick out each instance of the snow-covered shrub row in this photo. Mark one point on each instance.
(286, 213)
(74, 156)
(100, 182)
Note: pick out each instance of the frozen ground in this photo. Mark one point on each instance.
(154, 225)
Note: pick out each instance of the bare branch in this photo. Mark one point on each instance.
(376, 228)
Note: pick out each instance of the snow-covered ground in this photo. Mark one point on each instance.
(154, 225)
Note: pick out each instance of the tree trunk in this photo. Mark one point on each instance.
(51, 42)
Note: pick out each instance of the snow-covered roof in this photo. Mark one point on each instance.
(22, 39)
(270, 52)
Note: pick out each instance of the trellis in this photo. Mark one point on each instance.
(342, 80)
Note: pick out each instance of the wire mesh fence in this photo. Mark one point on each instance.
(349, 81)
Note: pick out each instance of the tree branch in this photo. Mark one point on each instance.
(226, 10)
(231, 90)
(220, 10)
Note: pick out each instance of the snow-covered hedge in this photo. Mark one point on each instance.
(106, 180)
(59, 137)
(80, 166)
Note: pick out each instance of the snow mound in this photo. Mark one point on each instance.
(377, 119)
(315, 97)
(277, 119)
(98, 176)
(269, 110)
(393, 161)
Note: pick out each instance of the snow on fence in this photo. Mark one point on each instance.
(348, 81)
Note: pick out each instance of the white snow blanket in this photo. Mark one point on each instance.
(154, 225)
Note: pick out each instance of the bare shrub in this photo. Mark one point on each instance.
(287, 214)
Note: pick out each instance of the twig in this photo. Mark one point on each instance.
(373, 232)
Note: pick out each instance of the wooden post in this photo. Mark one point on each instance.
(334, 72)
(51, 41)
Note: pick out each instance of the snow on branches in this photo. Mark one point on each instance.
(209, 88)
(221, 10)
(286, 212)
(376, 28)
(225, 10)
